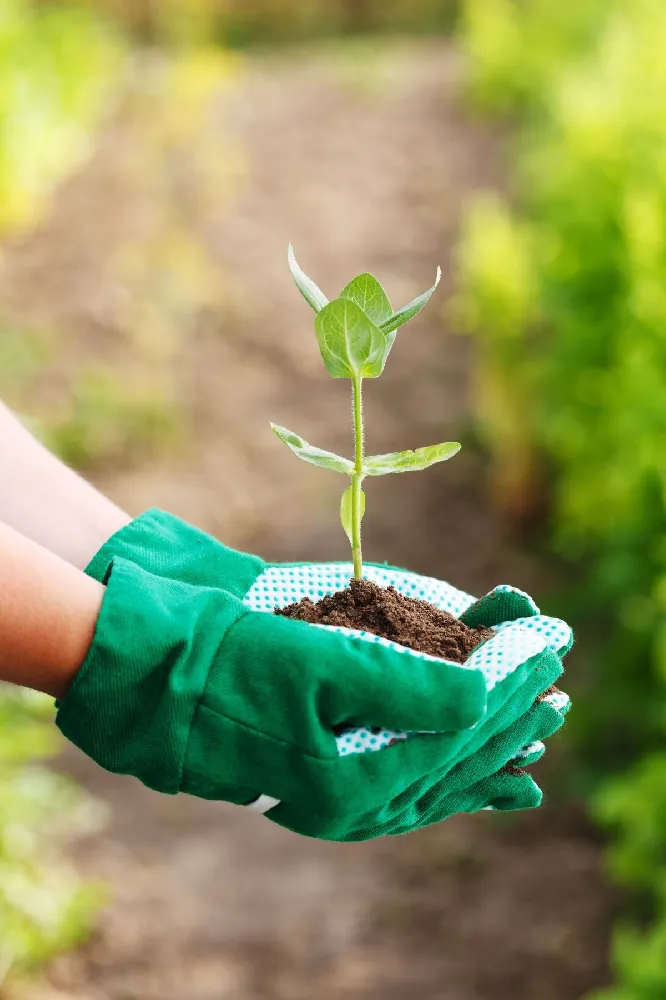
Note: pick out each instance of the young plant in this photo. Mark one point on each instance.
(355, 333)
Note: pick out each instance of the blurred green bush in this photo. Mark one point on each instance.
(565, 294)
(247, 22)
(57, 65)
(44, 907)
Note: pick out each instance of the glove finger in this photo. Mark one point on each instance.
(413, 806)
(343, 797)
(509, 790)
(348, 679)
(505, 662)
(536, 726)
(365, 739)
(502, 604)
(492, 751)
(532, 753)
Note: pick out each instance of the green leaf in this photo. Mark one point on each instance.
(410, 461)
(367, 293)
(315, 456)
(346, 511)
(407, 312)
(350, 343)
(312, 294)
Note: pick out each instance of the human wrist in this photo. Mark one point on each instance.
(48, 614)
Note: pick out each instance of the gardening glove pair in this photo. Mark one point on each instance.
(190, 685)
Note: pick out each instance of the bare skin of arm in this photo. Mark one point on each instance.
(48, 613)
(49, 503)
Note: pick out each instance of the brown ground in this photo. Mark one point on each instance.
(208, 901)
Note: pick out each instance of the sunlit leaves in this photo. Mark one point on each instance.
(408, 312)
(308, 453)
(312, 294)
(410, 461)
(351, 345)
(346, 511)
(369, 295)
(355, 333)
(59, 65)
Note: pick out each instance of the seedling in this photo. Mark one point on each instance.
(355, 333)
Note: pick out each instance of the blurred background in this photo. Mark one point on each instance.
(155, 159)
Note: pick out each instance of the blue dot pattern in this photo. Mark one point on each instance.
(513, 642)
(282, 585)
(557, 633)
(559, 700)
(530, 754)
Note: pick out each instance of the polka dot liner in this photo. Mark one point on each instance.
(556, 633)
(531, 753)
(279, 586)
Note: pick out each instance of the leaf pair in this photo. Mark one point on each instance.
(356, 331)
(374, 465)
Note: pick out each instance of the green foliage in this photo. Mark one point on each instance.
(411, 461)
(402, 316)
(355, 333)
(370, 297)
(566, 297)
(517, 51)
(106, 420)
(351, 345)
(43, 906)
(315, 456)
(246, 22)
(56, 64)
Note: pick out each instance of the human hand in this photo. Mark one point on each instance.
(191, 686)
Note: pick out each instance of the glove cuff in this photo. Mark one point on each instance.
(132, 704)
(172, 549)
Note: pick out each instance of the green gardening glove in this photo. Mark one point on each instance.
(458, 788)
(169, 547)
(192, 689)
(494, 777)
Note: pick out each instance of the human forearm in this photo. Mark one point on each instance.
(48, 612)
(49, 503)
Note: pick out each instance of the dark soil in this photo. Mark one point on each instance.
(385, 612)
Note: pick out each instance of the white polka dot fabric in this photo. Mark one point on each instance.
(282, 585)
(556, 633)
(533, 751)
(513, 642)
(559, 700)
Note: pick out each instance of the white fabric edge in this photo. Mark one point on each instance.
(263, 804)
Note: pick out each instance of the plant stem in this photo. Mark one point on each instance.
(357, 477)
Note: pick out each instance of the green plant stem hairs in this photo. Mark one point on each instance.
(355, 333)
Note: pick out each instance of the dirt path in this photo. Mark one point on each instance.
(209, 902)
